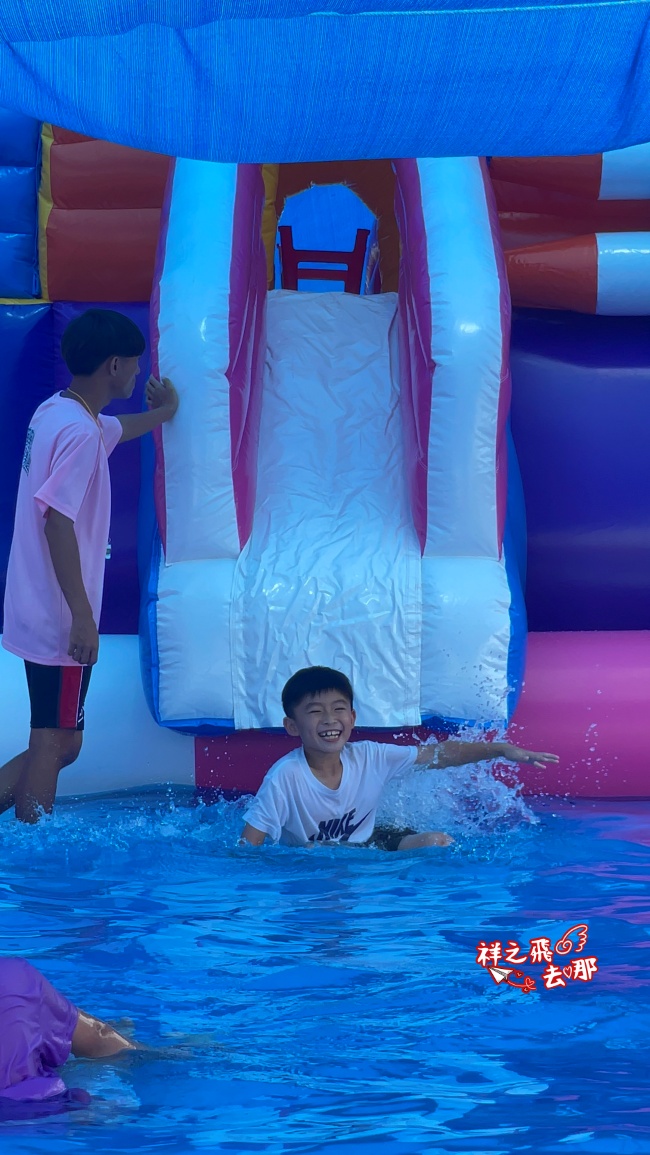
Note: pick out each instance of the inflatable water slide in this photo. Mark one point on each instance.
(317, 502)
(351, 473)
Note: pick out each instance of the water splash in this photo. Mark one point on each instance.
(151, 830)
(154, 828)
(466, 801)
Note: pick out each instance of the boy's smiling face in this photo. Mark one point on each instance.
(323, 722)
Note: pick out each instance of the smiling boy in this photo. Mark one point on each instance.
(329, 791)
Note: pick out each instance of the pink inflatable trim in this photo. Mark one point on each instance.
(160, 501)
(505, 382)
(246, 339)
(586, 697)
(415, 334)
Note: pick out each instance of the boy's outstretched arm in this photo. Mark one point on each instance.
(453, 753)
(251, 836)
(162, 400)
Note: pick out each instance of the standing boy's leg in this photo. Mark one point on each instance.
(9, 776)
(49, 751)
(57, 695)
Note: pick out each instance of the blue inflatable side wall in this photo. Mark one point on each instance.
(20, 138)
(27, 379)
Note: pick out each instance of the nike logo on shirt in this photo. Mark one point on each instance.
(338, 829)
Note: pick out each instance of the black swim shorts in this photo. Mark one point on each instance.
(57, 695)
(388, 837)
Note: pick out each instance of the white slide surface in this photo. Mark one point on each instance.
(331, 573)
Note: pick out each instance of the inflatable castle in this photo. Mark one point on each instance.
(374, 465)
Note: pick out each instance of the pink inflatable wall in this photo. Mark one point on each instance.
(587, 696)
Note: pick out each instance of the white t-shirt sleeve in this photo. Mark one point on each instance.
(394, 761)
(269, 810)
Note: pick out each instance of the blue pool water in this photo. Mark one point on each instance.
(329, 999)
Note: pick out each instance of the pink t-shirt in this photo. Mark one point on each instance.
(65, 467)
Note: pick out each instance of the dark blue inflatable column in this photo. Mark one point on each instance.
(580, 421)
(20, 138)
(26, 380)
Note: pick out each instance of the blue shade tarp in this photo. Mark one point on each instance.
(293, 80)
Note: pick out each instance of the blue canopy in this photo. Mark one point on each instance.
(292, 80)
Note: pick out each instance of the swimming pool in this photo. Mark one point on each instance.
(330, 999)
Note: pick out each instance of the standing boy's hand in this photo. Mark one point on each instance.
(162, 403)
(84, 639)
(161, 395)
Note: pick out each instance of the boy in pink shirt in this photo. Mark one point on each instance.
(55, 574)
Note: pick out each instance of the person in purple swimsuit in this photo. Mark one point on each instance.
(39, 1029)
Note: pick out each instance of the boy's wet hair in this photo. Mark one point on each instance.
(95, 336)
(314, 680)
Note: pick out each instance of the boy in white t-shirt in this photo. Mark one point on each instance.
(328, 791)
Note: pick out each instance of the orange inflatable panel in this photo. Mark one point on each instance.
(101, 254)
(612, 216)
(563, 275)
(579, 175)
(530, 216)
(97, 175)
(67, 136)
(100, 209)
(521, 229)
(623, 174)
(606, 273)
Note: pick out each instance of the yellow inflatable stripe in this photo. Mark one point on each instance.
(271, 174)
(44, 205)
(23, 301)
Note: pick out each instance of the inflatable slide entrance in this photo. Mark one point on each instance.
(333, 488)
